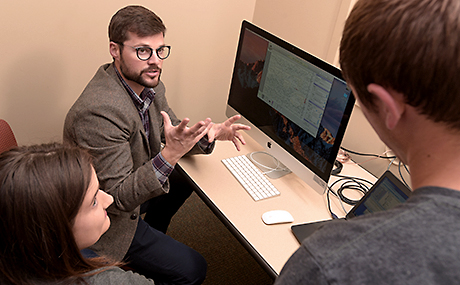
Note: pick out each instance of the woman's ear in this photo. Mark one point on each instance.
(391, 104)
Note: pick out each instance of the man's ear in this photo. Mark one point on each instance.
(391, 103)
(114, 50)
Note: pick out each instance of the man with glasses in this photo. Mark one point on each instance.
(123, 118)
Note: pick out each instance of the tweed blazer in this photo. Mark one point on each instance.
(105, 121)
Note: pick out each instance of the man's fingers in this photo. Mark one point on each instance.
(239, 127)
(211, 133)
(231, 120)
(200, 126)
(166, 119)
(183, 124)
(240, 138)
(201, 132)
(236, 143)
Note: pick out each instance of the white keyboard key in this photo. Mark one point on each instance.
(250, 177)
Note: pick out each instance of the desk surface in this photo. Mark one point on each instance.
(271, 245)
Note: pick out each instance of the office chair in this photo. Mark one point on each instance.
(7, 139)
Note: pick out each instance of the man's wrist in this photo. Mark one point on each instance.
(162, 168)
(170, 156)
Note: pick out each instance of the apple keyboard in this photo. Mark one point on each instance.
(250, 177)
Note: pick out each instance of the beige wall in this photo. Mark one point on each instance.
(312, 25)
(51, 49)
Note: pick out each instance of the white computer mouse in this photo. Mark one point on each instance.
(277, 217)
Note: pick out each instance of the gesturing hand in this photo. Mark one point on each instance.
(228, 131)
(180, 139)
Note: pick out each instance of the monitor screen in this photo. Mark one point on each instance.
(297, 104)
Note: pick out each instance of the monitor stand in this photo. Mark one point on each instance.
(268, 164)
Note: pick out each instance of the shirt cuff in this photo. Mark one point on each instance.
(162, 168)
(205, 145)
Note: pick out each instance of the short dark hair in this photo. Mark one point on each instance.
(409, 46)
(135, 19)
(42, 188)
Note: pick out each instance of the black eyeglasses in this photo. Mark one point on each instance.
(145, 53)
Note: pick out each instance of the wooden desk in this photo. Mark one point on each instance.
(271, 245)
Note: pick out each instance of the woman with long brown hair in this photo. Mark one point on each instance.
(51, 208)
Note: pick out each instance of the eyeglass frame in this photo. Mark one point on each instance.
(151, 51)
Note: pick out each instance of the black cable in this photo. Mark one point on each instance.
(400, 174)
(348, 183)
(338, 168)
(367, 154)
(360, 181)
(356, 183)
(346, 186)
(383, 157)
(334, 216)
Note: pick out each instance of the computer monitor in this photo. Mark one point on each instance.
(297, 105)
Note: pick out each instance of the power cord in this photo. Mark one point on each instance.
(400, 174)
(368, 154)
(338, 166)
(382, 156)
(356, 183)
(348, 183)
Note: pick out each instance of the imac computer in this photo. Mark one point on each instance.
(297, 105)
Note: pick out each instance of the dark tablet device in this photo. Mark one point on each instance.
(385, 194)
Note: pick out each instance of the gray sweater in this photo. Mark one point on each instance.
(415, 243)
(116, 275)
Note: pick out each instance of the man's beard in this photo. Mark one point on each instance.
(133, 76)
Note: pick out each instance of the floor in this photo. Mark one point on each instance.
(228, 262)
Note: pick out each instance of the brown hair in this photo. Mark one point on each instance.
(135, 19)
(42, 188)
(409, 46)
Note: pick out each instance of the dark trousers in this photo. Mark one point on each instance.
(154, 254)
(160, 210)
